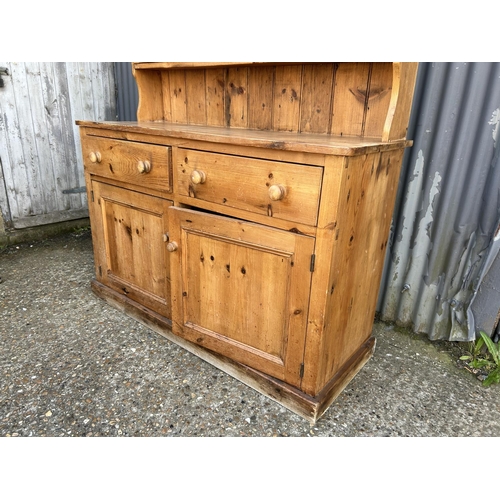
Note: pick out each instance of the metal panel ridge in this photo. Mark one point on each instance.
(448, 202)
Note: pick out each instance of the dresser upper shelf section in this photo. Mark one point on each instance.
(357, 100)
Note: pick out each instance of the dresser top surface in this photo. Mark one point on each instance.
(286, 141)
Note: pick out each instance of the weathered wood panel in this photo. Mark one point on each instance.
(41, 162)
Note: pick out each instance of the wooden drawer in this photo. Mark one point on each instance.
(277, 189)
(132, 162)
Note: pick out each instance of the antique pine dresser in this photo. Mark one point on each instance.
(245, 214)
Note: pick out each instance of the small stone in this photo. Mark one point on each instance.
(48, 414)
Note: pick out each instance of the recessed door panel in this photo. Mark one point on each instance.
(135, 259)
(242, 290)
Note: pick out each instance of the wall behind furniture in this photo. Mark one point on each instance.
(41, 171)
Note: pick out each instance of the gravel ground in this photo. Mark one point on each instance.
(70, 365)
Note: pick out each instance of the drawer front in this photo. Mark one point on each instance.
(132, 162)
(277, 189)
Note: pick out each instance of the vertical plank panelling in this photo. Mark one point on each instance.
(166, 96)
(215, 96)
(11, 155)
(379, 97)
(101, 90)
(79, 78)
(178, 96)
(316, 94)
(45, 113)
(287, 88)
(349, 99)
(195, 97)
(108, 90)
(237, 97)
(96, 76)
(80, 93)
(67, 156)
(5, 215)
(260, 91)
(69, 175)
(27, 180)
(38, 145)
(78, 75)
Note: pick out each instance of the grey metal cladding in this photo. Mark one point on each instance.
(448, 202)
(127, 97)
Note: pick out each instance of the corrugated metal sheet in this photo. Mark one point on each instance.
(127, 98)
(448, 203)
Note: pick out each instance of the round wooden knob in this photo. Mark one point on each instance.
(172, 246)
(277, 192)
(144, 167)
(95, 157)
(198, 177)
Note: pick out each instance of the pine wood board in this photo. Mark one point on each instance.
(348, 98)
(305, 143)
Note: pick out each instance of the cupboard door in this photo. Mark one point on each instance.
(131, 253)
(241, 289)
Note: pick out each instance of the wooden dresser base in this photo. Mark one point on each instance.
(310, 408)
